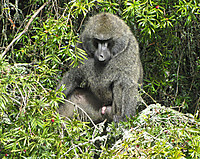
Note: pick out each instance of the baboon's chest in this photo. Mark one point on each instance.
(102, 88)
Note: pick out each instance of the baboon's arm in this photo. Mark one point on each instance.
(71, 80)
(125, 97)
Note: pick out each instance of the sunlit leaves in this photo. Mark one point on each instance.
(108, 6)
(81, 7)
(188, 9)
(149, 15)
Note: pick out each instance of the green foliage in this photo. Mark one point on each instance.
(54, 42)
(168, 35)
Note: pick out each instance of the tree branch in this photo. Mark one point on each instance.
(25, 29)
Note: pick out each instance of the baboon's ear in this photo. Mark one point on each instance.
(88, 45)
(120, 45)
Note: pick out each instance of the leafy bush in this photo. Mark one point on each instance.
(30, 68)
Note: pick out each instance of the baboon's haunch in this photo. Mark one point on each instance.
(89, 103)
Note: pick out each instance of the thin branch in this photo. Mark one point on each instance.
(25, 30)
(177, 86)
(76, 106)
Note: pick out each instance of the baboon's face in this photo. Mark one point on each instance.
(105, 36)
(103, 50)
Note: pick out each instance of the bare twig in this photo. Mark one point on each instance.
(25, 30)
(76, 106)
(177, 86)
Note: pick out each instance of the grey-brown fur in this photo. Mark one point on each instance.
(116, 81)
(84, 99)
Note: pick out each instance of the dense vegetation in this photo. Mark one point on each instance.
(38, 44)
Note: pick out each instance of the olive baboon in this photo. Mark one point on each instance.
(113, 69)
(89, 103)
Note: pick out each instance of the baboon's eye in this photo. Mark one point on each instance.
(110, 43)
(95, 43)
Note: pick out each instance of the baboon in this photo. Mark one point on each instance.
(113, 70)
(89, 103)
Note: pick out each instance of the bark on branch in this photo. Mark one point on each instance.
(25, 29)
